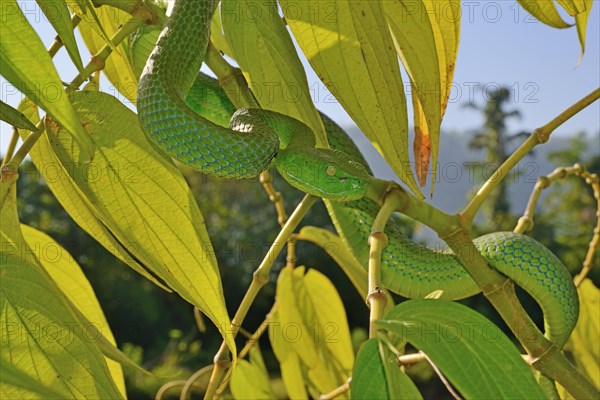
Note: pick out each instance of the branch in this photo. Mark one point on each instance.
(540, 135)
(259, 279)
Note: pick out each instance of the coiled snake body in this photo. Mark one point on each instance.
(255, 138)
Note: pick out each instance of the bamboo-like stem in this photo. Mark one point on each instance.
(410, 359)
(28, 143)
(525, 222)
(499, 290)
(139, 17)
(11, 146)
(338, 391)
(540, 135)
(259, 279)
(252, 340)
(376, 297)
(57, 44)
(192, 380)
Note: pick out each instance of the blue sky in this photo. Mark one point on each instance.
(500, 45)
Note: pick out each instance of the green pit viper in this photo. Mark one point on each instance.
(186, 114)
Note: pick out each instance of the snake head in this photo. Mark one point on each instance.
(327, 173)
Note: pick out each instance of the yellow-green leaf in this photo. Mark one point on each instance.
(83, 212)
(266, 54)
(69, 277)
(250, 380)
(143, 200)
(415, 42)
(59, 16)
(140, 46)
(332, 244)
(11, 377)
(545, 12)
(27, 65)
(289, 362)
(332, 325)
(349, 46)
(583, 342)
(572, 7)
(118, 69)
(581, 21)
(15, 118)
(217, 37)
(41, 336)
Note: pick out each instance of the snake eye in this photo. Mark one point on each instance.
(331, 171)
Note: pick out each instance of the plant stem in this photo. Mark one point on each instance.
(139, 17)
(28, 143)
(376, 297)
(11, 146)
(540, 135)
(499, 290)
(259, 279)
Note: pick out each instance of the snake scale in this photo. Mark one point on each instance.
(192, 128)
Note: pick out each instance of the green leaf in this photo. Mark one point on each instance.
(41, 336)
(300, 327)
(59, 16)
(415, 42)
(69, 278)
(545, 12)
(265, 52)
(581, 20)
(330, 317)
(141, 45)
(143, 200)
(27, 65)
(217, 37)
(83, 212)
(472, 352)
(250, 380)
(15, 118)
(118, 68)
(333, 245)
(13, 379)
(289, 362)
(349, 46)
(583, 342)
(377, 375)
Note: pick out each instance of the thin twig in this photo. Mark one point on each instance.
(259, 279)
(526, 222)
(338, 391)
(11, 146)
(540, 135)
(443, 379)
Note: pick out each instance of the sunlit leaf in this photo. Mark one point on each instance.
(117, 69)
(583, 342)
(59, 16)
(217, 37)
(469, 349)
(544, 11)
(143, 200)
(27, 65)
(415, 42)
(28, 387)
(581, 21)
(41, 336)
(289, 362)
(83, 212)
(350, 48)
(333, 245)
(69, 277)
(250, 380)
(264, 50)
(15, 118)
